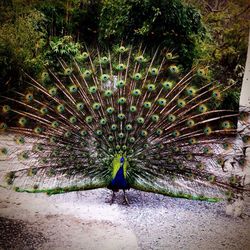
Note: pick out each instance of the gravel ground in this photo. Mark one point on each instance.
(85, 220)
(16, 234)
(166, 223)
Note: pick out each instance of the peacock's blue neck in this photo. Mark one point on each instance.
(119, 181)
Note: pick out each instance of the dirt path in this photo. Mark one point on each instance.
(85, 220)
(61, 224)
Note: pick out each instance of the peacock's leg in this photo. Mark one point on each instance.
(112, 198)
(125, 198)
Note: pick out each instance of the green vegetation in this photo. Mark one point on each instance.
(19, 45)
(225, 48)
(168, 23)
(211, 33)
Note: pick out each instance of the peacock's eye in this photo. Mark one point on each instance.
(245, 138)
(29, 97)
(53, 91)
(169, 55)
(103, 121)
(121, 100)
(110, 110)
(143, 133)
(104, 77)
(175, 133)
(108, 93)
(73, 89)
(167, 85)
(60, 108)
(121, 49)
(111, 138)
(226, 125)
(83, 132)
(155, 118)
(154, 71)
(159, 131)
(6, 108)
(44, 110)
(190, 123)
(86, 74)
(171, 118)
(55, 124)
(162, 102)
(98, 132)
(45, 74)
(120, 67)
(140, 59)
(120, 84)
(151, 87)
(113, 127)
(192, 141)
(121, 116)
(181, 103)
(121, 135)
(85, 55)
(202, 108)
(89, 119)
(93, 90)
(96, 106)
(173, 69)
(79, 106)
(137, 76)
(38, 130)
(73, 119)
(131, 139)
(128, 127)
(132, 108)
(136, 92)
(68, 71)
(207, 131)
(20, 140)
(147, 105)
(67, 134)
(140, 120)
(104, 60)
(3, 151)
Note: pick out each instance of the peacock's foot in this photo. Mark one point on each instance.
(112, 198)
(125, 202)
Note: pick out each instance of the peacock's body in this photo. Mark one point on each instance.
(119, 119)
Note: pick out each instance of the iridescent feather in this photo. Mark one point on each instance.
(65, 130)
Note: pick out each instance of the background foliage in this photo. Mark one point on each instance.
(211, 33)
(169, 23)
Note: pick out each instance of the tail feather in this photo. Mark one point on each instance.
(70, 124)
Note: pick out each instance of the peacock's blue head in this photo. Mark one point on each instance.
(122, 160)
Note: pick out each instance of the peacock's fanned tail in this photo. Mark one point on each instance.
(63, 132)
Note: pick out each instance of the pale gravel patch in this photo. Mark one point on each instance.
(168, 223)
(85, 220)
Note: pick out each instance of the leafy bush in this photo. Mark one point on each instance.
(153, 22)
(19, 46)
(76, 18)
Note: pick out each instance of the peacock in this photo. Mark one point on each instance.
(120, 118)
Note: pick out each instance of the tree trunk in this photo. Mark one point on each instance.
(245, 90)
(236, 208)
